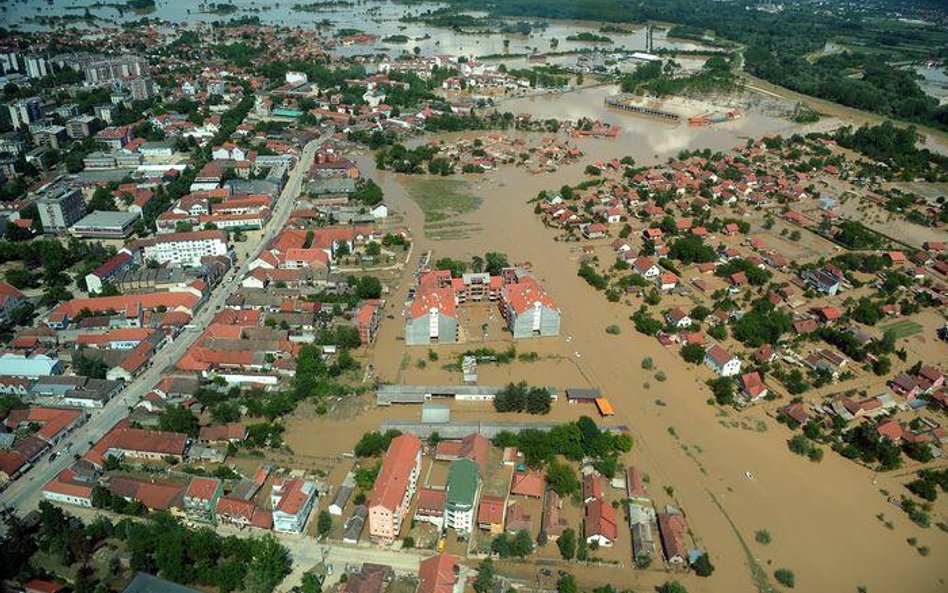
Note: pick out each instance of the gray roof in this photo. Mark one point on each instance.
(101, 218)
(581, 393)
(432, 413)
(146, 583)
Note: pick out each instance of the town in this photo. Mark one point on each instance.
(364, 298)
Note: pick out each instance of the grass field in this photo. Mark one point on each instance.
(441, 199)
(903, 329)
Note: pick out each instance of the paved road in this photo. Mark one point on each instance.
(25, 493)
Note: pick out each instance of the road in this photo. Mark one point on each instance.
(25, 493)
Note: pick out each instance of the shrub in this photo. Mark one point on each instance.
(614, 329)
(785, 577)
(763, 537)
(647, 363)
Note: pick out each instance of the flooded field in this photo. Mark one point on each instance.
(821, 516)
(379, 18)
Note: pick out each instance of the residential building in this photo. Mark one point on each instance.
(600, 523)
(722, 362)
(671, 526)
(200, 499)
(142, 89)
(463, 487)
(529, 310)
(292, 501)
(433, 318)
(367, 320)
(440, 574)
(60, 208)
(185, 249)
(65, 488)
(24, 112)
(394, 488)
(491, 514)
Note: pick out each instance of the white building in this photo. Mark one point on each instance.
(292, 501)
(186, 249)
(722, 362)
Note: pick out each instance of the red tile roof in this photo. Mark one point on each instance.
(392, 481)
(438, 574)
(491, 510)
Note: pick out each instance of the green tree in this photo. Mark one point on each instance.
(89, 366)
(562, 479)
(567, 544)
(703, 566)
(179, 419)
(693, 353)
(324, 523)
(484, 581)
(271, 563)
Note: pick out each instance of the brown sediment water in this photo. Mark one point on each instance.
(822, 517)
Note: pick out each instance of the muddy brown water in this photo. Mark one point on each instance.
(822, 517)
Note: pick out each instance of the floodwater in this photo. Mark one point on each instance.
(380, 18)
(822, 516)
(934, 81)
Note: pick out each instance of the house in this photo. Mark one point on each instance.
(906, 386)
(367, 320)
(518, 519)
(463, 487)
(634, 483)
(722, 362)
(592, 487)
(646, 268)
(200, 498)
(292, 500)
(795, 411)
(667, 281)
(600, 525)
(678, 318)
(66, 488)
(42, 586)
(242, 513)
(891, 430)
(528, 483)
(822, 280)
(440, 574)
(752, 386)
(595, 231)
(671, 527)
(371, 578)
(430, 506)
(491, 514)
(124, 441)
(10, 299)
(394, 488)
(554, 523)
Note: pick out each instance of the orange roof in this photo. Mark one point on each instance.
(522, 295)
(428, 298)
(392, 481)
(605, 408)
(52, 421)
(129, 302)
(203, 488)
(122, 334)
(491, 510)
(66, 484)
(528, 483)
(438, 574)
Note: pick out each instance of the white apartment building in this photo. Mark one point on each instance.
(185, 249)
